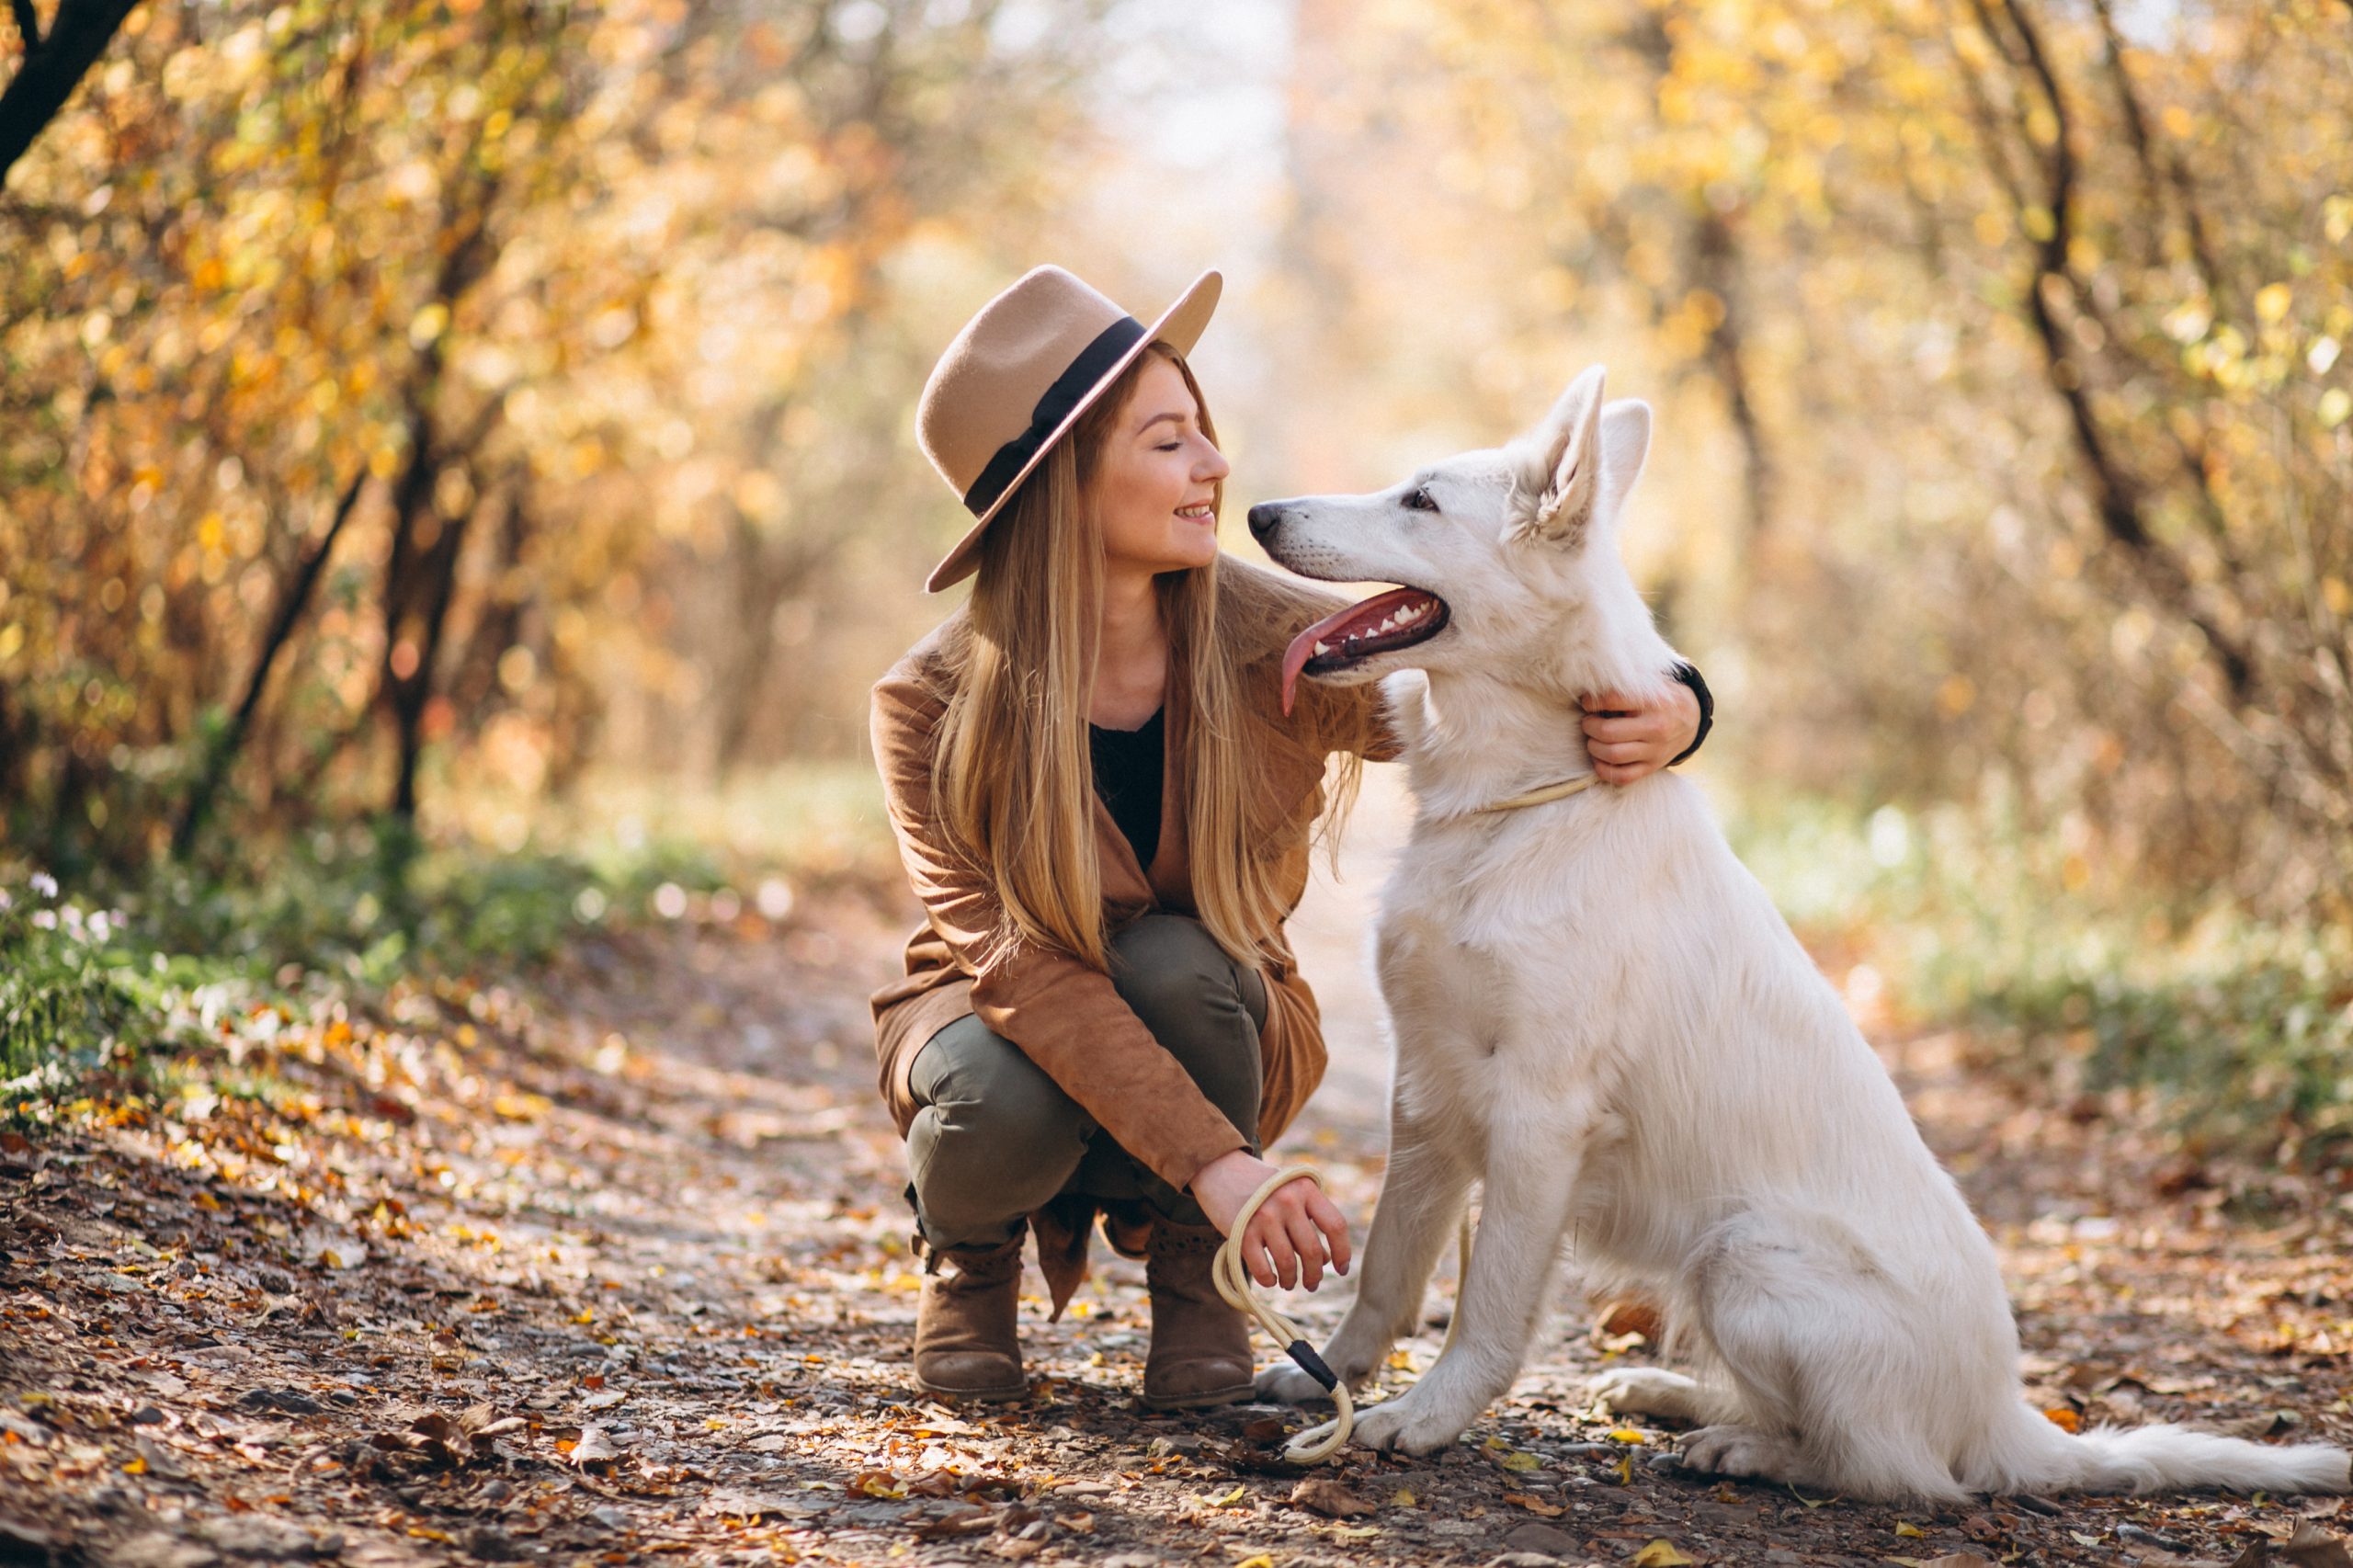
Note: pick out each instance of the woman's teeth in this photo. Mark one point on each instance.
(1199, 514)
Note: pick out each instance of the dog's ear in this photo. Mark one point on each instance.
(1625, 442)
(1557, 464)
(1574, 468)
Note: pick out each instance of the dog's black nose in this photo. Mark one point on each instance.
(1262, 518)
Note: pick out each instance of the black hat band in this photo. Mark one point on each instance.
(1054, 407)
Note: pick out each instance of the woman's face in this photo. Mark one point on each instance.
(1155, 478)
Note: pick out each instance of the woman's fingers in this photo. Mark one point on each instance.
(1308, 1243)
(1327, 1218)
(1267, 1233)
(1650, 727)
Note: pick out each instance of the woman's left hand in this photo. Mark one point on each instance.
(1628, 741)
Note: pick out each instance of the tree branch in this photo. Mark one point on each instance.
(291, 601)
(2116, 497)
(53, 67)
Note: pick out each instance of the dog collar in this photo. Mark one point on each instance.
(1560, 790)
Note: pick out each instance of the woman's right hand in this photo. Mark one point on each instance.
(1294, 1233)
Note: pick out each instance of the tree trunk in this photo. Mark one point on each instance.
(52, 68)
(293, 599)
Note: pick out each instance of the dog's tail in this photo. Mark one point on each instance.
(2035, 1455)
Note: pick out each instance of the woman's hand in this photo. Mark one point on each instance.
(1295, 1232)
(1627, 741)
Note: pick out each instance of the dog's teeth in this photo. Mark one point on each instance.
(1323, 648)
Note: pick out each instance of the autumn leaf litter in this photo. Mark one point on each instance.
(610, 1263)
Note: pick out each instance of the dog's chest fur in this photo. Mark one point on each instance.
(1486, 948)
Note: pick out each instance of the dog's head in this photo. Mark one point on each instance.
(1505, 554)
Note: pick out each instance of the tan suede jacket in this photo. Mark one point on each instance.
(1066, 1015)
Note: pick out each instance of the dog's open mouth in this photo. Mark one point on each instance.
(1398, 619)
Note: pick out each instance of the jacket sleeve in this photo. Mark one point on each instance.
(1065, 1016)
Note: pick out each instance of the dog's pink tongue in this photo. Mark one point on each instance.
(1302, 647)
(1295, 659)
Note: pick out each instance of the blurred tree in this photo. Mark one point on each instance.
(2025, 319)
(414, 385)
(52, 65)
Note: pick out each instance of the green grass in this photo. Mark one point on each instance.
(112, 981)
(2072, 973)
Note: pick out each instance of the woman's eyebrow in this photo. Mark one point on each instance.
(1177, 414)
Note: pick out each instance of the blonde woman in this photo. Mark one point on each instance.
(1107, 816)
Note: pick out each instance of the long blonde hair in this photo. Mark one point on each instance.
(1012, 775)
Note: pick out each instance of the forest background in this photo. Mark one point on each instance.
(457, 475)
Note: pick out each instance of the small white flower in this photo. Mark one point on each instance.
(44, 885)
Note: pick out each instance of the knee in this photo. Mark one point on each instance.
(1171, 971)
(1002, 1100)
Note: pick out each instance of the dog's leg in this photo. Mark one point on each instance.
(1422, 1194)
(1533, 1167)
(1839, 1371)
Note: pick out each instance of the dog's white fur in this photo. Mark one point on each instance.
(1599, 1014)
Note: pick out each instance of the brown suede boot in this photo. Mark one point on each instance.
(1200, 1346)
(966, 1343)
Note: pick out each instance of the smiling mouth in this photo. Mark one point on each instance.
(1381, 624)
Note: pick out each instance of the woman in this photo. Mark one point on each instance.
(1107, 816)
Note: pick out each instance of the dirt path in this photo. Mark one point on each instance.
(617, 1269)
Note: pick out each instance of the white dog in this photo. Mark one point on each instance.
(1601, 1016)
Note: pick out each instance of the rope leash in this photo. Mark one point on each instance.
(1232, 1282)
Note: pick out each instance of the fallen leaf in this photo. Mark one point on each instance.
(2061, 1417)
(1956, 1559)
(1626, 1435)
(594, 1446)
(1521, 1461)
(879, 1484)
(1404, 1498)
(1659, 1553)
(1632, 1315)
(2311, 1547)
(1321, 1494)
(1910, 1531)
(972, 1521)
(1534, 1505)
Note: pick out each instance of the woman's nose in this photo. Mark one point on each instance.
(1215, 468)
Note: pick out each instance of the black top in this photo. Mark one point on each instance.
(1128, 776)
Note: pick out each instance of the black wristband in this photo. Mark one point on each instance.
(1689, 676)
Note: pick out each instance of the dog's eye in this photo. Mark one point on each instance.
(1419, 501)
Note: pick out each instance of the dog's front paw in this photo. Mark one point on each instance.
(1406, 1425)
(1286, 1384)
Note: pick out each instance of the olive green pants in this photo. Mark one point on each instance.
(994, 1138)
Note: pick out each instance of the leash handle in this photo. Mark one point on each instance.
(1232, 1282)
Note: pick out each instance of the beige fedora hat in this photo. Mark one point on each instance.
(1018, 378)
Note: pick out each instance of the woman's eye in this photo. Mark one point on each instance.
(1419, 501)
(1169, 446)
